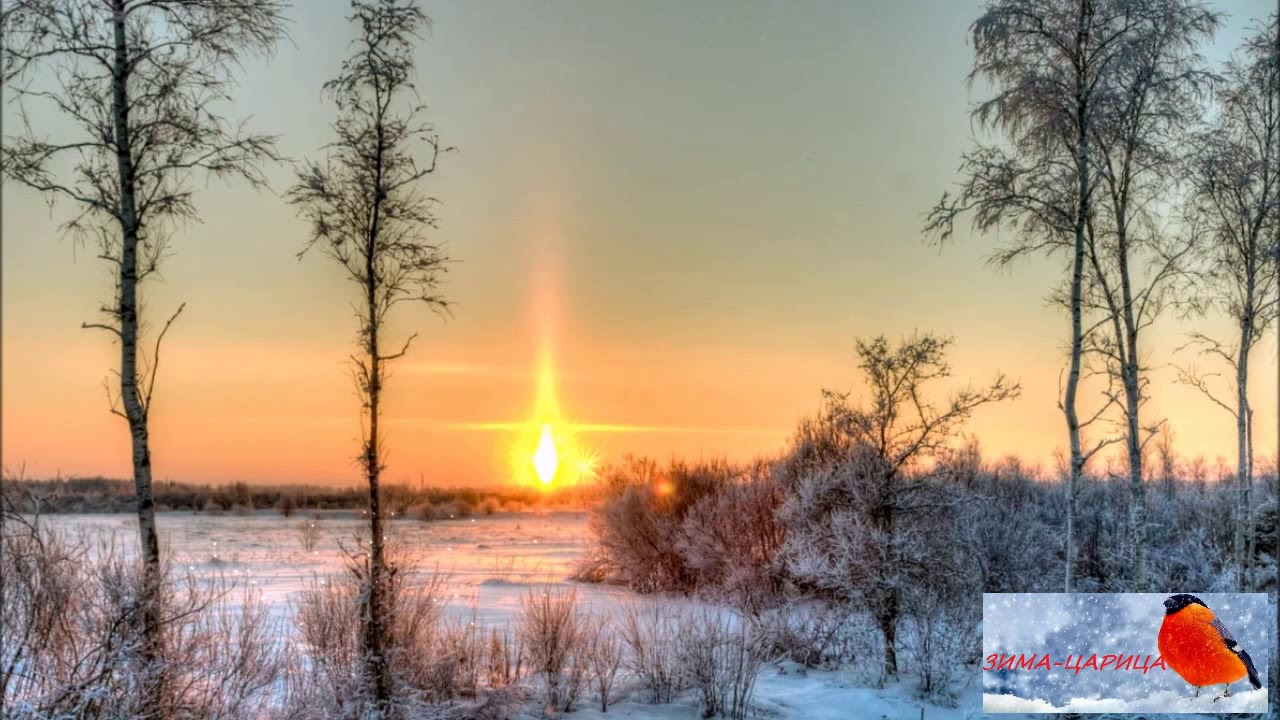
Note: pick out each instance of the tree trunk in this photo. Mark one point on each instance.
(1244, 471)
(1137, 489)
(127, 301)
(1130, 372)
(888, 608)
(1069, 403)
(1076, 469)
(888, 622)
(376, 625)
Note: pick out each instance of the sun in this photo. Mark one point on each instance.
(545, 459)
(546, 452)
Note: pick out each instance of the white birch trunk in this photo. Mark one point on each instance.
(128, 309)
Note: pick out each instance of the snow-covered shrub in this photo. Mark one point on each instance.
(870, 524)
(730, 539)
(637, 522)
(603, 653)
(309, 534)
(329, 627)
(839, 547)
(940, 640)
(1004, 529)
(504, 658)
(229, 656)
(721, 660)
(71, 640)
(1263, 575)
(1100, 537)
(817, 633)
(652, 636)
(464, 644)
(552, 630)
(328, 616)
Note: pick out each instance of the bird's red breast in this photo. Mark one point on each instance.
(1194, 649)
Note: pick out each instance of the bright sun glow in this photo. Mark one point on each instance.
(546, 453)
(545, 459)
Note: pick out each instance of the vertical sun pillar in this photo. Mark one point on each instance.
(545, 459)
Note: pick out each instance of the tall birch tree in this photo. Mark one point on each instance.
(369, 212)
(136, 88)
(1047, 64)
(1235, 192)
(1147, 108)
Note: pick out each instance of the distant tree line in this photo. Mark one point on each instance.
(107, 495)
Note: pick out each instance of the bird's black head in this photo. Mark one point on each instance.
(1174, 603)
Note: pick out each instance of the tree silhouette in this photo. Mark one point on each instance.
(369, 213)
(138, 83)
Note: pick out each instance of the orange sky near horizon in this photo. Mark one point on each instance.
(695, 262)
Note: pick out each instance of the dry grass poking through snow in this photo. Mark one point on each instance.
(71, 637)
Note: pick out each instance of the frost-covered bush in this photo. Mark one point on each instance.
(721, 660)
(731, 537)
(328, 616)
(651, 634)
(309, 534)
(1005, 526)
(71, 640)
(637, 522)
(874, 519)
(463, 646)
(553, 631)
(835, 547)
(821, 634)
(604, 652)
(941, 639)
(709, 527)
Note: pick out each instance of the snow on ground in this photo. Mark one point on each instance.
(491, 561)
(811, 695)
(1251, 701)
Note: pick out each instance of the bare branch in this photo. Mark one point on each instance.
(99, 326)
(155, 360)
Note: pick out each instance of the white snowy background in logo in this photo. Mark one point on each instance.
(1084, 624)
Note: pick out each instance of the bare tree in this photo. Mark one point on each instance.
(1048, 63)
(1167, 456)
(1148, 106)
(138, 83)
(846, 518)
(369, 213)
(1235, 192)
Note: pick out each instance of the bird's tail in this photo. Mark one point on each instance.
(1253, 671)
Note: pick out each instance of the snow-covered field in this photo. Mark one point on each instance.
(490, 563)
(492, 560)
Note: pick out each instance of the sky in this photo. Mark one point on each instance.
(690, 210)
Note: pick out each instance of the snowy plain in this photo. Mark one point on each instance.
(490, 563)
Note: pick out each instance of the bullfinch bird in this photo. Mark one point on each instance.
(1197, 646)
